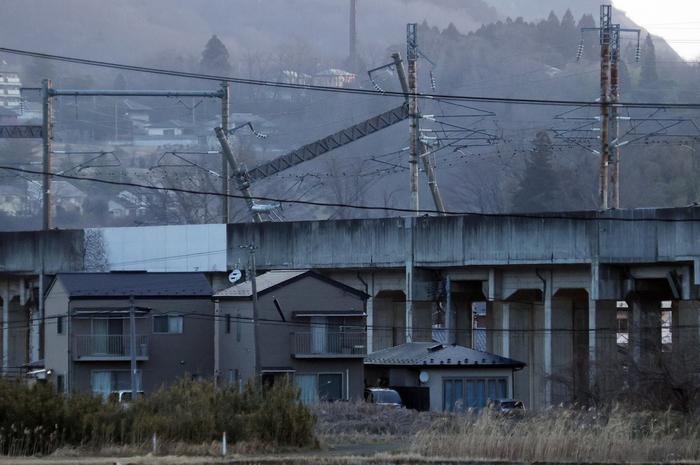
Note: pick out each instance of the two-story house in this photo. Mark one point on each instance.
(88, 329)
(310, 328)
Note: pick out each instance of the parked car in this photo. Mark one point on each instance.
(383, 396)
(123, 397)
(507, 406)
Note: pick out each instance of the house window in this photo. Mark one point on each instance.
(105, 382)
(228, 324)
(60, 383)
(460, 394)
(321, 386)
(167, 324)
(59, 325)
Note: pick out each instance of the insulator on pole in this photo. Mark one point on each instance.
(579, 51)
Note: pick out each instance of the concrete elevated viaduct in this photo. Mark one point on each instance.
(552, 285)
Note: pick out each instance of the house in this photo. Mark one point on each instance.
(138, 113)
(334, 78)
(310, 328)
(12, 199)
(440, 377)
(10, 85)
(87, 330)
(68, 197)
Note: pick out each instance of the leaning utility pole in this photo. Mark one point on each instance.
(239, 171)
(413, 111)
(225, 109)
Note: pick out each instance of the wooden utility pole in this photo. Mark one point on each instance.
(225, 108)
(132, 348)
(605, 35)
(413, 111)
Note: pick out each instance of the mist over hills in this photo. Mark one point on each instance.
(509, 48)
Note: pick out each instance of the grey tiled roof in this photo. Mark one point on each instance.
(138, 284)
(436, 354)
(264, 281)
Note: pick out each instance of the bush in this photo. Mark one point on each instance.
(36, 420)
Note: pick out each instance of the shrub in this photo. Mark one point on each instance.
(36, 420)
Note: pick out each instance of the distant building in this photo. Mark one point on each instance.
(10, 85)
(68, 197)
(294, 77)
(138, 113)
(334, 78)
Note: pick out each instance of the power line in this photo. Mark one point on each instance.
(356, 91)
(358, 207)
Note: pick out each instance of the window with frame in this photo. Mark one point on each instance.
(460, 394)
(59, 325)
(167, 324)
(228, 323)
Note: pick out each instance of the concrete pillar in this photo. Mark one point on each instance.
(449, 312)
(409, 287)
(5, 326)
(370, 323)
(685, 333)
(645, 334)
(547, 339)
(603, 363)
(505, 329)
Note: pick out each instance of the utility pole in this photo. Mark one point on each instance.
(605, 35)
(47, 136)
(432, 182)
(239, 171)
(254, 290)
(413, 111)
(225, 108)
(610, 51)
(353, 35)
(132, 349)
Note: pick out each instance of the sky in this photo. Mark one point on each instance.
(677, 21)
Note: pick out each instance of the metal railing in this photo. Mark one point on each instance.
(322, 343)
(108, 346)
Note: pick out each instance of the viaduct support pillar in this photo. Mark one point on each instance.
(644, 336)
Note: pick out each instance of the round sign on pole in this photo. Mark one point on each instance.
(234, 276)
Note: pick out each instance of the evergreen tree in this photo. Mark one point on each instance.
(568, 35)
(540, 187)
(215, 58)
(120, 82)
(649, 76)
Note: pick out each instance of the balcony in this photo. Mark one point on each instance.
(323, 344)
(102, 347)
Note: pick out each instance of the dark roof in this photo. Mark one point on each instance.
(433, 354)
(138, 284)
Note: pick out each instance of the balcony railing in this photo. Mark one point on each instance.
(108, 347)
(329, 344)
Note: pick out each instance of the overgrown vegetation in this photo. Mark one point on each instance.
(36, 420)
(564, 434)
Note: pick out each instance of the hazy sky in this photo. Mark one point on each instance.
(677, 21)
